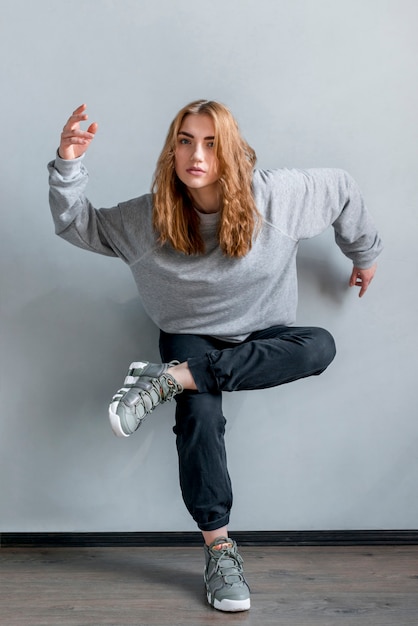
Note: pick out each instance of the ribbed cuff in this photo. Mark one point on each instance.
(68, 168)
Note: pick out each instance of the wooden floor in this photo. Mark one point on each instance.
(292, 586)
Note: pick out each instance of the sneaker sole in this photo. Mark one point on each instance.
(115, 422)
(229, 606)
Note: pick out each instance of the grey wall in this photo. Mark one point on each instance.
(312, 83)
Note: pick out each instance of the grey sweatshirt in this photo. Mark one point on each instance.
(211, 293)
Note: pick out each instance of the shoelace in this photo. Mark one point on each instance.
(169, 390)
(231, 570)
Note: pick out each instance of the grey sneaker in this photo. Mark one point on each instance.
(226, 586)
(146, 386)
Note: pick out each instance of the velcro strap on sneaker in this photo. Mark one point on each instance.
(150, 370)
(134, 395)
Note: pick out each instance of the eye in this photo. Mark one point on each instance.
(211, 144)
(184, 141)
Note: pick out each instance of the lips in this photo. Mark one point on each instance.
(196, 171)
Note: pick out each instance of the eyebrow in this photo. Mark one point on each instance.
(183, 132)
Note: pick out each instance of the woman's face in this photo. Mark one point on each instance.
(196, 164)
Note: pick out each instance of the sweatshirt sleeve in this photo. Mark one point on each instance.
(75, 219)
(355, 231)
(307, 202)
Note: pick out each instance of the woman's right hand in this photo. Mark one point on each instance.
(74, 140)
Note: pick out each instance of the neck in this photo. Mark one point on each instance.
(206, 200)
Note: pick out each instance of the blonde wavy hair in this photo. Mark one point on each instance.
(174, 217)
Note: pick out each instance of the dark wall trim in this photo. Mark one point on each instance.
(249, 538)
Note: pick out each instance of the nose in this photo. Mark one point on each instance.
(197, 153)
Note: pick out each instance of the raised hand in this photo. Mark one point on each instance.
(75, 141)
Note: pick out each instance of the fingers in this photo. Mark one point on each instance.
(363, 289)
(92, 129)
(362, 278)
(77, 116)
(72, 125)
(77, 135)
(80, 108)
(74, 140)
(357, 280)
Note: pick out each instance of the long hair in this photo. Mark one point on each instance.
(174, 217)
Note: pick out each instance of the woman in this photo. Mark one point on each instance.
(213, 252)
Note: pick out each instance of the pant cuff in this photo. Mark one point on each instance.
(220, 523)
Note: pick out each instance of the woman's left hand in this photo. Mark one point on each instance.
(362, 278)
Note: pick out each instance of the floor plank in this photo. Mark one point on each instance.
(292, 586)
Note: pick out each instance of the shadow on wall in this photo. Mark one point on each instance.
(70, 349)
(323, 270)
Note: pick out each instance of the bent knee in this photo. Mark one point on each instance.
(325, 349)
